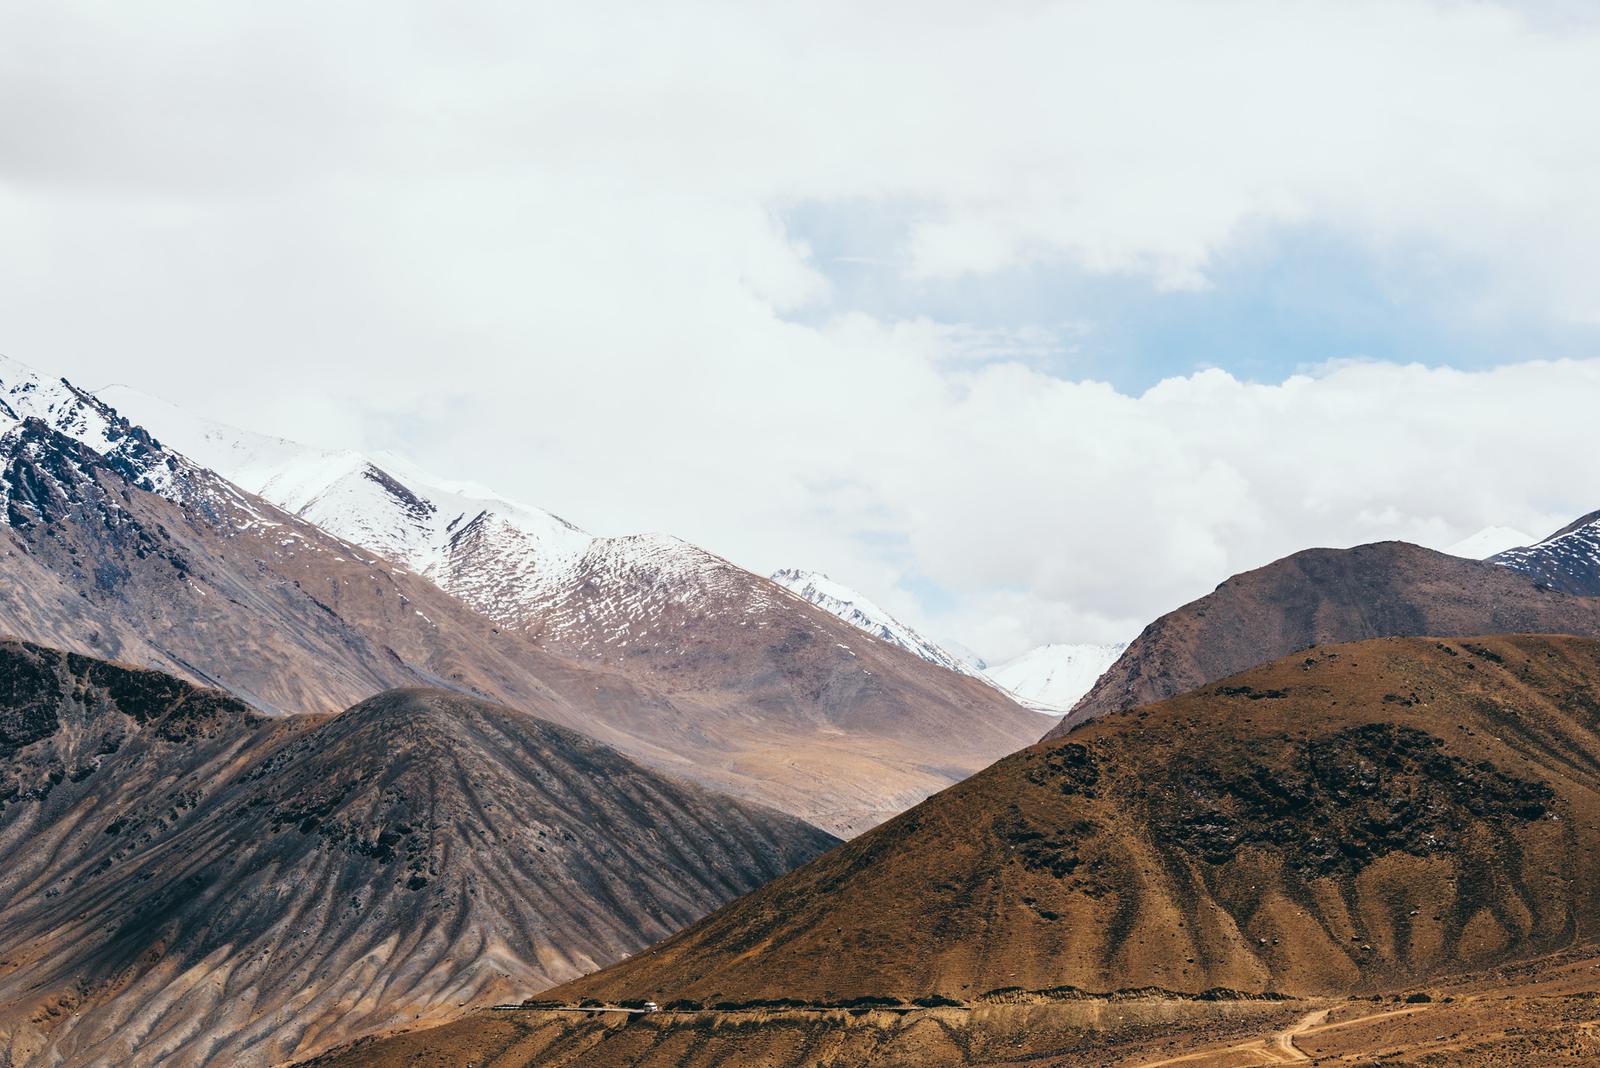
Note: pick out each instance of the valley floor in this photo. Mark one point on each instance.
(1543, 1013)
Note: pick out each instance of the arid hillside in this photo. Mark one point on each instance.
(1352, 817)
(1388, 589)
(184, 881)
(1535, 1015)
(1359, 820)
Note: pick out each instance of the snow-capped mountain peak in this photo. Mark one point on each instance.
(77, 414)
(511, 561)
(862, 613)
(1053, 677)
(1488, 542)
(382, 503)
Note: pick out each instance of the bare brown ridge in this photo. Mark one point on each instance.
(1387, 589)
(1352, 817)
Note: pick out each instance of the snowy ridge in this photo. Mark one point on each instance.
(864, 615)
(1052, 678)
(517, 564)
(38, 413)
(521, 566)
(1568, 560)
(623, 591)
(26, 394)
(496, 554)
(1488, 542)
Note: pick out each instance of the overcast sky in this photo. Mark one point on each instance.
(1029, 320)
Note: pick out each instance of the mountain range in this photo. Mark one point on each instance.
(124, 547)
(301, 747)
(1348, 820)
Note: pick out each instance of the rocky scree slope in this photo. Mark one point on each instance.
(184, 881)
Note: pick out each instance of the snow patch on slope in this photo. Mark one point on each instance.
(381, 503)
(1052, 678)
(863, 614)
(58, 404)
(1488, 542)
(1568, 560)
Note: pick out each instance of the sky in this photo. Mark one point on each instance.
(1029, 320)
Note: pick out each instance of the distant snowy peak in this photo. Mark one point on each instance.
(1052, 678)
(1568, 560)
(635, 590)
(863, 614)
(1488, 542)
(383, 504)
(976, 664)
(58, 405)
(54, 435)
(517, 564)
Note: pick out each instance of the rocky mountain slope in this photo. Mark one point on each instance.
(1052, 678)
(702, 668)
(501, 557)
(1327, 595)
(1568, 560)
(114, 545)
(184, 881)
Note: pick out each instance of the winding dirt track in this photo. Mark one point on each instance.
(1279, 1048)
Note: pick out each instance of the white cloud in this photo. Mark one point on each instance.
(537, 244)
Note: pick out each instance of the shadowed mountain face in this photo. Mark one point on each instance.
(1327, 595)
(1352, 818)
(114, 545)
(1568, 560)
(187, 882)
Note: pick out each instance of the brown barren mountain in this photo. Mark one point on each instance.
(1353, 819)
(1387, 589)
(184, 881)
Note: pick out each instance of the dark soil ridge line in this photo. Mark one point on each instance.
(998, 996)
